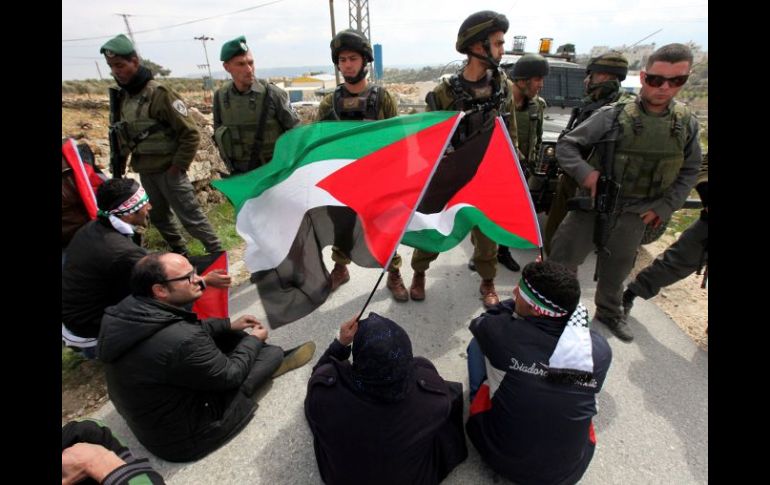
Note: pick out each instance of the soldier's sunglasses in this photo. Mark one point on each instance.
(657, 81)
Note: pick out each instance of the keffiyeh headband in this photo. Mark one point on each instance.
(129, 206)
(572, 359)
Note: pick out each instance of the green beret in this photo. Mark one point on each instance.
(233, 48)
(119, 45)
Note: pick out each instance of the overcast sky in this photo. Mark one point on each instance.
(412, 32)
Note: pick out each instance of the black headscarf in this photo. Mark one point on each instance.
(382, 359)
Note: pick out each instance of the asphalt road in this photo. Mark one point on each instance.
(652, 425)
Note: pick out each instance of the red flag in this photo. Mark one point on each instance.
(384, 187)
(86, 179)
(214, 303)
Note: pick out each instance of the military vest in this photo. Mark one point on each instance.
(366, 105)
(528, 122)
(487, 103)
(138, 132)
(240, 116)
(649, 151)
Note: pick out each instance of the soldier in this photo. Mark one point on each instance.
(155, 128)
(603, 77)
(481, 84)
(687, 255)
(647, 154)
(356, 99)
(528, 78)
(249, 113)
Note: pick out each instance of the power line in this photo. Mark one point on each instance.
(179, 24)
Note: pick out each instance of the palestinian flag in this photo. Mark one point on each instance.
(355, 184)
(86, 178)
(479, 184)
(214, 302)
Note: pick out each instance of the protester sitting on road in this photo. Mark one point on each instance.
(534, 371)
(184, 386)
(91, 454)
(100, 258)
(386, 418)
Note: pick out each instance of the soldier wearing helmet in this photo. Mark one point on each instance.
(604, 74)
(249, 113)
(480, 86)
(529, 74)
(356, 99)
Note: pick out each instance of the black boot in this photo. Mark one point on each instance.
(504, 257)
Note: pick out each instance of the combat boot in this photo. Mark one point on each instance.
(618, 326)
(396, 286)
(417, 289)
(339, 275)
(488, 293)
(504, 257)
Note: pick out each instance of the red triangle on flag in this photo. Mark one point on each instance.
(384, 187)
(499, 173)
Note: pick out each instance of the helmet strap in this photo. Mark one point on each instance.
(358, 77)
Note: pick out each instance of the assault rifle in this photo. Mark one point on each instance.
(117, 159)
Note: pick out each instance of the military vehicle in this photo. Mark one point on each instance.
(562, 90)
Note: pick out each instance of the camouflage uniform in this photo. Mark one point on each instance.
(656, 160)
(361, 106)
(374, 109)
(485, 249)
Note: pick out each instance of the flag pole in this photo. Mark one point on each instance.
(414, 209)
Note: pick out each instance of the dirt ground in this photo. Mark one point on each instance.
(685, 302)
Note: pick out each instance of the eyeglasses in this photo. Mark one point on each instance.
(657, 81)
(189, 277)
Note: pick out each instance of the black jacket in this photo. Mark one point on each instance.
(537, 431)
(169, 380)
(357, 440)
(96, 275)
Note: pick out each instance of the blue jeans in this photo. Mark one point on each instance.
(477, 368)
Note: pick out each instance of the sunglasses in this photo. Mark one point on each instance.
(657, 81)
(189, 277)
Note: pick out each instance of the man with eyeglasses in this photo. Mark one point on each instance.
(185, 386)
(99, 261)
(652, 147)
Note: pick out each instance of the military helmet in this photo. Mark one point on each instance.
(477, 27)
(353, 40)
(530, 65)
(611, 62)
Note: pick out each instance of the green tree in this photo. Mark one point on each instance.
(156, 69)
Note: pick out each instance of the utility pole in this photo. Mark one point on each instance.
(98, 70)
(334, 32)
(358, 18)
(210, 84)
(128, 27)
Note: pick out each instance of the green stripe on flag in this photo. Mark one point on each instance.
(324, 141)
(433, 241)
